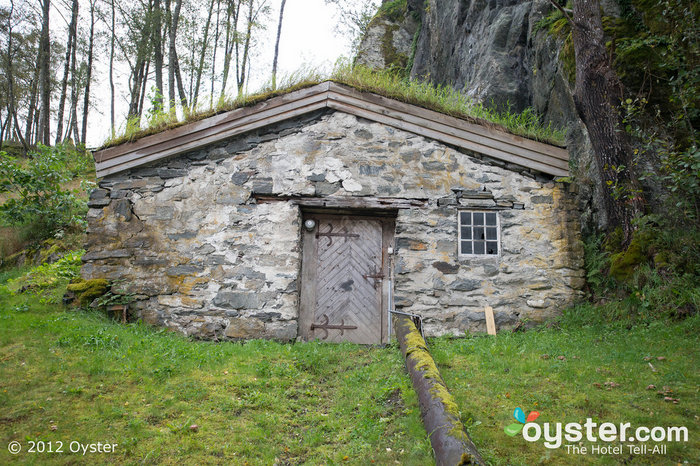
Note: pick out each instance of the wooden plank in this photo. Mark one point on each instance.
(205, 124)
(129, 161)
(481, 129)
(388, 229)
(307, 285)
(347, 202)
(490, 322)
(490, 141)
(449, 139)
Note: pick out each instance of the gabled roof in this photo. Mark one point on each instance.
(484, 140)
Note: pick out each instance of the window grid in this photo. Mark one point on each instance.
(479, 233)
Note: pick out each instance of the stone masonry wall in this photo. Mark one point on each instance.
(203, 257)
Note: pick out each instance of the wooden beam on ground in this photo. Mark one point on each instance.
(450, 441)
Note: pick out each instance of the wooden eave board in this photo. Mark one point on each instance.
(433, 125)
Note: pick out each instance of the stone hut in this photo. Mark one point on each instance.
(312, 214)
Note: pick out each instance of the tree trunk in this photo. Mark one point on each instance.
(139, 73)
(192, 48)
(450, 441)
(74, 94)
(32, 107)
(111, 72)
(3, 124)
(216, 46)
(277, 46)
(72, 28)
(44, 127)
(136, 82)
(88, 77)
(231, 39)
(173, 66)
(12, 111)
(202, 55)
(598, 95)
(158, 55)
(144, 83)
(246, 48)
(180, 87)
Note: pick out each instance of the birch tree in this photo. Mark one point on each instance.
(277, 46)
(44, 125)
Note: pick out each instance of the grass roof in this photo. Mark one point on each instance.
(443, 99)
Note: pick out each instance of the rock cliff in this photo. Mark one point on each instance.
(493, 51)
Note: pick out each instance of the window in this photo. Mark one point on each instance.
(478, 233)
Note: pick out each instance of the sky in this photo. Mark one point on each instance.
(309, 39)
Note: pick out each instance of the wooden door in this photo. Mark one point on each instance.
(343, 282)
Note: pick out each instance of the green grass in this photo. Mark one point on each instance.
(490, 377)
(264, 402)
(390, 84)
(260, 402)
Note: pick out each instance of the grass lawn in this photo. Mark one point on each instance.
(565, 374)
(75, 376)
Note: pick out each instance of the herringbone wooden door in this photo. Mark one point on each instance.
(348, 280)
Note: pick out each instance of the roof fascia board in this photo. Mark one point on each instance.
(485, 140)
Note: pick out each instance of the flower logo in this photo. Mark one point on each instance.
(519, 416)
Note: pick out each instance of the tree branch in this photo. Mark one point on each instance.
(567, 13)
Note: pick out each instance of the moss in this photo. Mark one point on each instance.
(393, 60)
(88, 290)
(623, 264)
(394, 11)
(662, 260)
(50, 250)
(417, 352)
(613, 241)
(414, 47)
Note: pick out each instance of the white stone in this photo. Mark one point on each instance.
(351, 186)
(536, 303)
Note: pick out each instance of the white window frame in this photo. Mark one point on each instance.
(459, 234)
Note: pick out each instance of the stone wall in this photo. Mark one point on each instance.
(202, 256)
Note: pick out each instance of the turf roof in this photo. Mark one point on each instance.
(443, 99)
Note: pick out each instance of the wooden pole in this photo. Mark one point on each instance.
(450, 441)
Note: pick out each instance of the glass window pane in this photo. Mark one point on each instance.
(491, 233)
(491, 218)
(466, 232)
(491, 247)
(478, 218)
(479, 233)
(466, 218)
(479, 247)
(466, 247)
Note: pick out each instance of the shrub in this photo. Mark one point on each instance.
(35, 192)
(46, 278)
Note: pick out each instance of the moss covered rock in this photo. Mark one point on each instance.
(87, 290)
